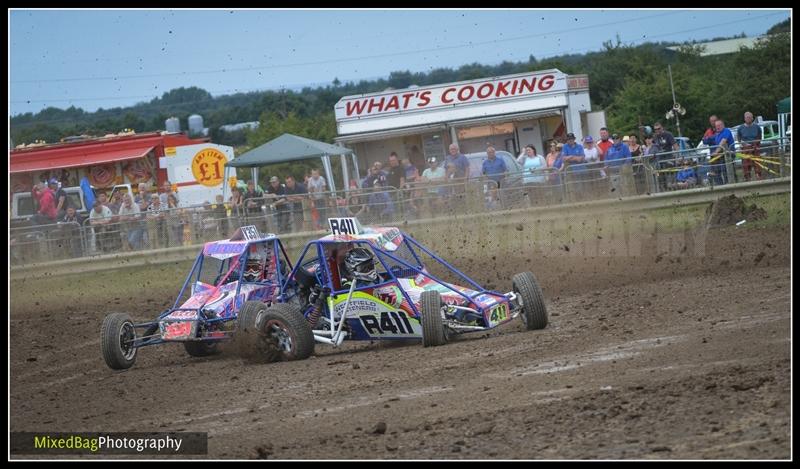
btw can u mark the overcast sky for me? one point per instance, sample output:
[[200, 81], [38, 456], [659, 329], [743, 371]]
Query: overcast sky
[[110, 58]]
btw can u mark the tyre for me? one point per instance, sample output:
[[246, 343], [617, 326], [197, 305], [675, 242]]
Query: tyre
[[248, 313], [201, 348], [276, 333], [433, 332], [534, 312], [116, 340]]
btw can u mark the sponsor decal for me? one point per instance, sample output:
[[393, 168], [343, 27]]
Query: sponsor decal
[[379, 319]]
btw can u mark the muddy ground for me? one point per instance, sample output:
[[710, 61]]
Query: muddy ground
[[677, 354]]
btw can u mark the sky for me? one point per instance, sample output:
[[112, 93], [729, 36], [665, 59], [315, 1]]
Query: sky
[[109, 58]]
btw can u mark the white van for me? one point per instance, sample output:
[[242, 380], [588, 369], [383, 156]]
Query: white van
[[23, 206]]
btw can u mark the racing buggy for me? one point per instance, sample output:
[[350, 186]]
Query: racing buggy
[[229, 283], [372, 284]]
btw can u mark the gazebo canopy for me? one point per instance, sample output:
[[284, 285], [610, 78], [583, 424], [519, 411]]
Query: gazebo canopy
[[285, 148]]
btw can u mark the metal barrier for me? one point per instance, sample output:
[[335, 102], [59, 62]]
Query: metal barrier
[[685, 169], [187, 226]]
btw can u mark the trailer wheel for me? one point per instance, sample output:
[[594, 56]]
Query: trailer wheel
[[433, 332], [534, 312], [117, 335]]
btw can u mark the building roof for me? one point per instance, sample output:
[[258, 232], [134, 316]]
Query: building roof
[[726, 46]]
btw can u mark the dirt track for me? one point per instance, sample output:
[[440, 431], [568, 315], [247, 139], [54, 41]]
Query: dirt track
[[644, 357]]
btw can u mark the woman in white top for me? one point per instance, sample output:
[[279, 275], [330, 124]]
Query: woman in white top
[[532, 166], [592, 154]]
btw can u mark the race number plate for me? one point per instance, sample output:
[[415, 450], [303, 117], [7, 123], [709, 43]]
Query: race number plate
[[344, 226]]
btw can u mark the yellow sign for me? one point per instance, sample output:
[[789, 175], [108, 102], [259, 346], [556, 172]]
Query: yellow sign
[[170, 151], [208, 166]]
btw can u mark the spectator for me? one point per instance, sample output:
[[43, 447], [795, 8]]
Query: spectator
[[176, 219], [253, 207], [666, 146], [103, 198], [355, 205], [686, 177], [493, 167], [411, 177], [618, 158], [434, 177], [280, 203], [460, 163], [723, 145], [555, 162], [633, 145], [649, 146], [573, 158], [572, 152], [116, 202], [142, 190], [533, 166], [395, 176], [236, 201], [166, 192], [156, 223], [296, 193], [750, 139], [60, 197], [711, 131], [533, 169], [71, 223], [604, 144], [101, 218], [317, 189], [217, 223], [130, 219], [47, 212], [366, 183], [591, 155]]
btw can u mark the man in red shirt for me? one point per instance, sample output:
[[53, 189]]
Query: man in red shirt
[[604, 144], [47, 205]]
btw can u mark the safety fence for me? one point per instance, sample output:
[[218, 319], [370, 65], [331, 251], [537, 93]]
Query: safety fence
[[187, 226]]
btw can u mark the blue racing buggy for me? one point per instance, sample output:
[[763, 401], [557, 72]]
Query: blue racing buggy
[[229, 282], [372, 284]]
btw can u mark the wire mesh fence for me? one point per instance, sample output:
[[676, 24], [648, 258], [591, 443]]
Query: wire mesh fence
[[154, 228]]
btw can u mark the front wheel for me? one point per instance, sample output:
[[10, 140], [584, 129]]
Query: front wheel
[[530, 297], [117, 336], [275, 333], [433, 332]]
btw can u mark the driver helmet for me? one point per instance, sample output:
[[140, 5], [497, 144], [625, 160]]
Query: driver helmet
[[360, 265], [252, 269]]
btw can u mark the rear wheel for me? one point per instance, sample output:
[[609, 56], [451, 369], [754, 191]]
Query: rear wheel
[[116, 339], [534, 312], [433, 332]]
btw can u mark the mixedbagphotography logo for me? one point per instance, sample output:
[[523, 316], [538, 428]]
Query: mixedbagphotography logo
[[162, 443]]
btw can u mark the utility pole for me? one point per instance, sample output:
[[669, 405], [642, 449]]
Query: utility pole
[[675, 106]]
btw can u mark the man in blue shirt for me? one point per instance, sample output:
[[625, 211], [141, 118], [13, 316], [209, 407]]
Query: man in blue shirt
[[572, 152], [459, 160], [618, 154], [724, 144], [573, 158], [618, 157], [494, 167]]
